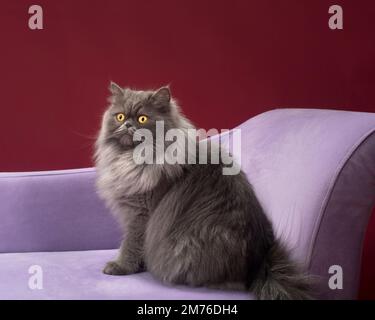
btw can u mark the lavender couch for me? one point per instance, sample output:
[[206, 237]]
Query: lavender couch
[[313, 171]]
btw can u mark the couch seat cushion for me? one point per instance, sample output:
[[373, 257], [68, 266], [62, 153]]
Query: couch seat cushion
[[78, 275]]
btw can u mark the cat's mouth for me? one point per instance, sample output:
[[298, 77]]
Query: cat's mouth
[[126, 140]]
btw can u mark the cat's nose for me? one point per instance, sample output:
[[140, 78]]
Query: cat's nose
[[127, 124]]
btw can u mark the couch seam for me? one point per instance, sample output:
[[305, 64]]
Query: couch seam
[[46, 173]]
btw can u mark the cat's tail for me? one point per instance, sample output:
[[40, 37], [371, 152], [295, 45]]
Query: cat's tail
[[279, 278]]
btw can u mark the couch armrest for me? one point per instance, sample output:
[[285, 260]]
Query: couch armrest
[[314, 173], [53, 211]]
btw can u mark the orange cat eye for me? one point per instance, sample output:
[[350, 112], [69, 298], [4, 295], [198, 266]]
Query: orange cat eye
[[142, 119], [120, 117]]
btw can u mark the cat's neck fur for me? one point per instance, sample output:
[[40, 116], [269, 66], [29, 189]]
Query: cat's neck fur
[[119, 175]]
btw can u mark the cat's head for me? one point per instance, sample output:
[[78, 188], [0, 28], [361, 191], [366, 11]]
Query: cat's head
[[130, 110]]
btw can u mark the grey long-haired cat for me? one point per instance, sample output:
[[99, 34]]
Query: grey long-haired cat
[[185, 223]]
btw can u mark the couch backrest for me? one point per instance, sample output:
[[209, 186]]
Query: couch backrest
[[314, 173]]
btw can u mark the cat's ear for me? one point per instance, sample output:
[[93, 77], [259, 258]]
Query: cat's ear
[[115, 89], [162, 96], [161, 99]]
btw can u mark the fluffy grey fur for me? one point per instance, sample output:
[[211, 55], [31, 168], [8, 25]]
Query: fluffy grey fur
[[186, 224]]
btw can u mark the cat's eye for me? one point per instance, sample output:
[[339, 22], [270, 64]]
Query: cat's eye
[[142, 119], [120, 117]]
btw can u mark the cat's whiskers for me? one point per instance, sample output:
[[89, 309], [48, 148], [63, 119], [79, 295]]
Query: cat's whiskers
[[121, 128]]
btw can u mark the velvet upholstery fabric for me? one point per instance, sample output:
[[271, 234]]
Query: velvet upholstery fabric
[[312, 170]]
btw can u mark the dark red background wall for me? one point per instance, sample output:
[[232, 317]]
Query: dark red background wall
[[226, 61]]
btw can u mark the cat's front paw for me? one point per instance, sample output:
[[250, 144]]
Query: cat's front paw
[[114, 268]]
